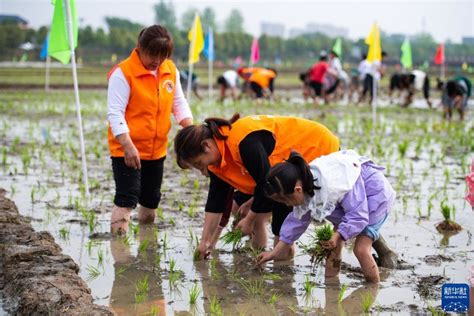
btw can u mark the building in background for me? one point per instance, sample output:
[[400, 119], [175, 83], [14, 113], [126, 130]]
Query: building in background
[[468, 40], [272, 29], [327, 29]]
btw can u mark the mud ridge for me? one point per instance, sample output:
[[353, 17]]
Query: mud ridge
[[35, 277]]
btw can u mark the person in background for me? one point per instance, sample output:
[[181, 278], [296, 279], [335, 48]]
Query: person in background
[[317, 75], [307, 91], [373, 72], [416, 80], [229, 80], [142, 93], [347, 189], [261, 81], [184, 74], [455, 95]]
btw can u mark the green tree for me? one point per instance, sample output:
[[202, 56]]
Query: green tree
[[234, 23], [187, 18], [166, 16], [209, 19]]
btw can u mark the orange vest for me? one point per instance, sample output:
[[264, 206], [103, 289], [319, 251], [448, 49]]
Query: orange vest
[[149, 108], [262, 76], [309, 138]]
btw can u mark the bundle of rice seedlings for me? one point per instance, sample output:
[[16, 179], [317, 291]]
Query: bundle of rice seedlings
[[314, 247], [233, 237]]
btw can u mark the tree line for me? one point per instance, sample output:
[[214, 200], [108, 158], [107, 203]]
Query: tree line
[[231, 39]]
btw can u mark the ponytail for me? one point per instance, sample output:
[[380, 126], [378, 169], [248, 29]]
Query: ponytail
[[188, 141], [282, 178]]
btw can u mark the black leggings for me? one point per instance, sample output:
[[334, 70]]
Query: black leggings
[[137, 186]]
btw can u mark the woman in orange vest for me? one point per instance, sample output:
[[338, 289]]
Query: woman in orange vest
[[143, 91], [260, 80], [237, 154]]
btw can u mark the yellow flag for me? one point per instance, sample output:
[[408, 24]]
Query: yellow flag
[[373, 40], [196, 40]]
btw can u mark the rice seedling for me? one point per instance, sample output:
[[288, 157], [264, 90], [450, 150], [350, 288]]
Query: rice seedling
[[366, 302], [255, 288], [4, 156], [172, 221], [314, 249], [191, 211], [194, 294], [341, 293], [233, 237], [143, 247], [126, 239], [308, 285], [64, 233], [134, 228], [120, 271], [100, 257], [141, 289], [92, 273], [154, 311], [156, 261], [214, 306], [32, 194], [12, 190], [196, 185], [164, 242], [274, 297], [159, 213], [215, 275]]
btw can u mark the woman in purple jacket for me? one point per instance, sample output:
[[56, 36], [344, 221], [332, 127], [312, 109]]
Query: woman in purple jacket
[[347, 189]]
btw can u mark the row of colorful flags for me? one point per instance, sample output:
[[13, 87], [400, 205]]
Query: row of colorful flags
[[56, 43]]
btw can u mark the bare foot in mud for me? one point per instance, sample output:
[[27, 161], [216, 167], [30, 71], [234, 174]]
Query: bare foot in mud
[[119, 220]]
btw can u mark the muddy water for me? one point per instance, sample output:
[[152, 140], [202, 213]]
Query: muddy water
[[114, 267]]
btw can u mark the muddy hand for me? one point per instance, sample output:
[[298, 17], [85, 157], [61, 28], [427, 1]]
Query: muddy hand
[[264, 257], [246, 226]]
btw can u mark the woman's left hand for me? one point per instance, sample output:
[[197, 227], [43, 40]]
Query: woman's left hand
[[246, 226]]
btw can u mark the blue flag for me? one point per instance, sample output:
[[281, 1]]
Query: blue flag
[[209, 45], [44, 49]]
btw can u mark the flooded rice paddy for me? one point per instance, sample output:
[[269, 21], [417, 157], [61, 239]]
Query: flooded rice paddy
[[151, 270]]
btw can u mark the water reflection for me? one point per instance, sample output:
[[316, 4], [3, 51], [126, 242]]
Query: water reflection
[[137, 284]]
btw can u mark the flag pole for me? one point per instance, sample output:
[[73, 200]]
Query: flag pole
[[76, 95], [190, 61], [210, 63], [374, 88], [46, 75]]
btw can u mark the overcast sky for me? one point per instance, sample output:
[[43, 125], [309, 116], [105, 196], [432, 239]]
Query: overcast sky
[[444, 19]]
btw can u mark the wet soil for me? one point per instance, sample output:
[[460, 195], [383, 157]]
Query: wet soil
[[35, 277]]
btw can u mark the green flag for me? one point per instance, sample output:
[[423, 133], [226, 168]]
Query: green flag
[[337, 48], [406, 59], [58, 38]]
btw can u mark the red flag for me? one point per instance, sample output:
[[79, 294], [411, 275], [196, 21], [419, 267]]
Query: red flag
[[439, 57], [254, 52]]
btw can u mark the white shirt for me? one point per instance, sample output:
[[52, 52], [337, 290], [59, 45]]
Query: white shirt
[[419, 79], [335, 64], [364, 68], [118, 95], [231, 77]]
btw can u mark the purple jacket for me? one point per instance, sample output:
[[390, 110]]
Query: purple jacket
[[367, 203]]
